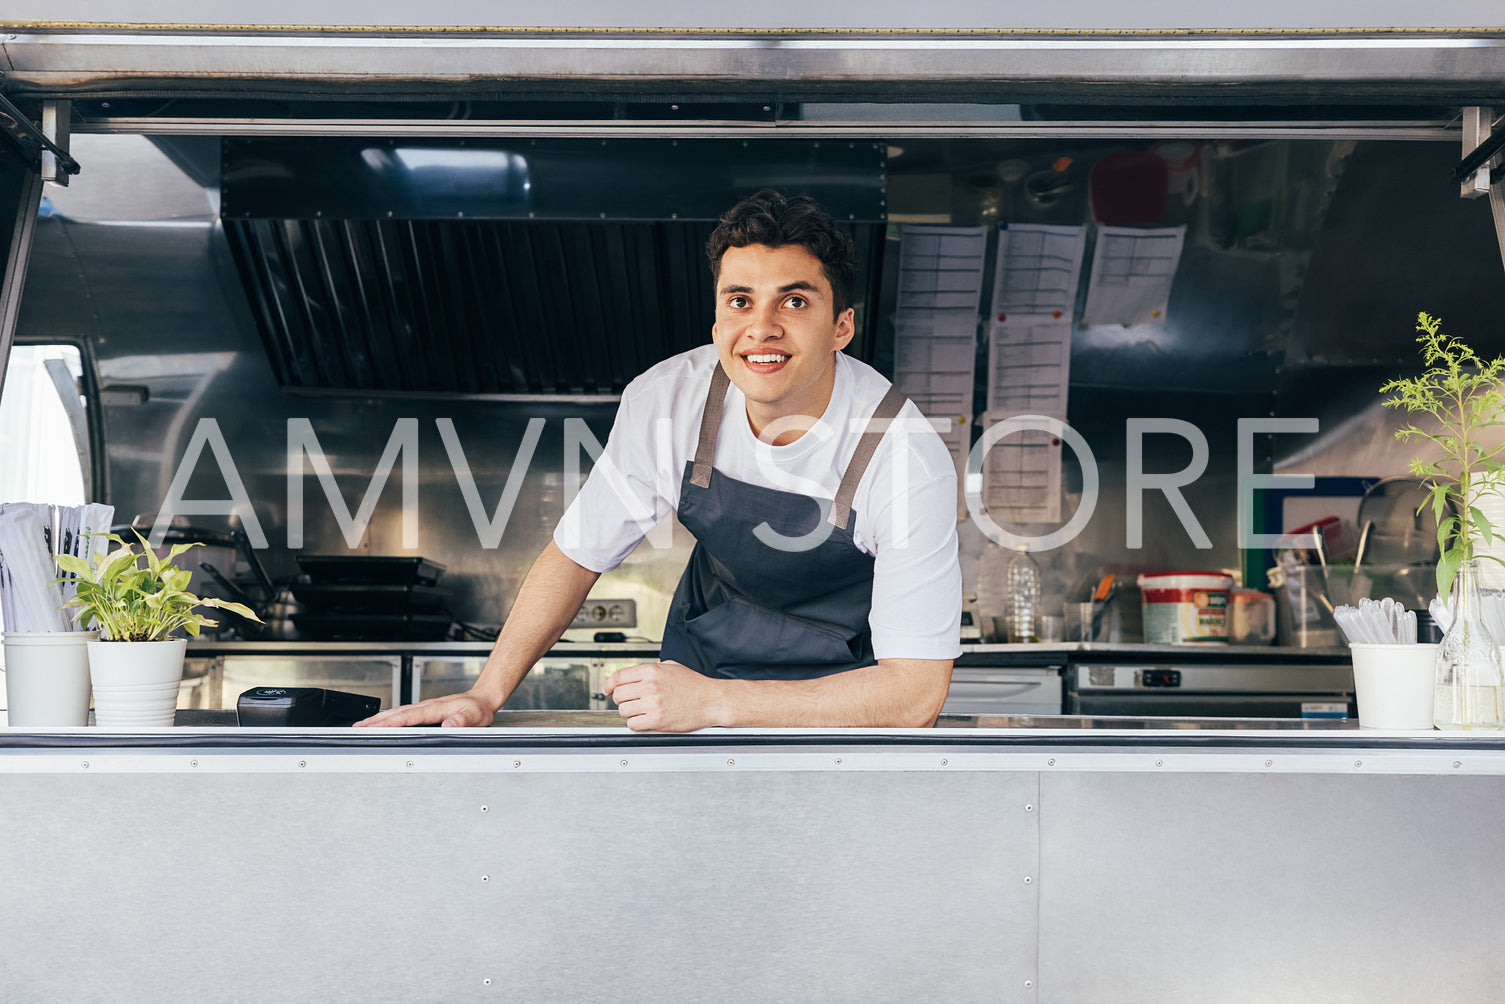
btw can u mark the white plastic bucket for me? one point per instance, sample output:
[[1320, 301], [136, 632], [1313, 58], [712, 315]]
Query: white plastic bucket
[[1395, 685], [1186, 608], [47, 678]]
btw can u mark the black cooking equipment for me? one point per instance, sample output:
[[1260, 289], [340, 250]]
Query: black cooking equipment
[[370, 569], [368, 596], [371, 598]]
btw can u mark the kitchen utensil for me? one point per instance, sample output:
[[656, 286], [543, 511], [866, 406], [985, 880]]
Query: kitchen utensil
[[1404, 527], [1382, 622]]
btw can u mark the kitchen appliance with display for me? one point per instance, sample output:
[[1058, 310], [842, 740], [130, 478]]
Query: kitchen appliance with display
[[1208, 689]]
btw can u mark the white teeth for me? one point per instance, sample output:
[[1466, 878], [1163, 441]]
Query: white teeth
[[769, 357]]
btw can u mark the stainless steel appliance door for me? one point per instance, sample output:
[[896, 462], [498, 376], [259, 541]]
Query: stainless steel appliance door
[[990, 691], [1211, 691]]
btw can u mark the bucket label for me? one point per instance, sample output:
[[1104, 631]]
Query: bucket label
[[1185, 615]]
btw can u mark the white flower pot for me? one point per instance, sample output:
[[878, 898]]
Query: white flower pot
[[1395, 685], [47, 678], [136, 682]]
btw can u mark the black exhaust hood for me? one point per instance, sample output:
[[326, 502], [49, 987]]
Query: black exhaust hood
[[506, 266]]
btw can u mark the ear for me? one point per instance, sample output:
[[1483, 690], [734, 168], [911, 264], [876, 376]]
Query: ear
[[845, 328]]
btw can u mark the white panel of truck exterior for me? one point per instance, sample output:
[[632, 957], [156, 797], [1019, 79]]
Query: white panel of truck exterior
[[771, 14]]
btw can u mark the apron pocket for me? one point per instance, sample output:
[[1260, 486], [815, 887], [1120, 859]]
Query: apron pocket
[[744, 640]]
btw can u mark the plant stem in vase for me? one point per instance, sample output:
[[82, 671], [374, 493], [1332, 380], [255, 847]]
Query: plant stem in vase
[[1469, 674]]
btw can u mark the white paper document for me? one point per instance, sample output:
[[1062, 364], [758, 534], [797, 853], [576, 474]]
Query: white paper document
[[1038, 269], [940, 269], [1021, 477], [1132, 271], [1029, 366]]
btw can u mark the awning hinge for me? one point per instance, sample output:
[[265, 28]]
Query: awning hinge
[[40, 147], [1481, 143]]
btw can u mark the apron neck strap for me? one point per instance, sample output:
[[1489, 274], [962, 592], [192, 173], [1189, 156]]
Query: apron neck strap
[[886, 412], [710, 424]]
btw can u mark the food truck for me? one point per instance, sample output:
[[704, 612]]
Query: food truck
[[351, 300]]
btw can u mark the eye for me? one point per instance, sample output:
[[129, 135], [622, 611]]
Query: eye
[[738, 302], [796, 302]]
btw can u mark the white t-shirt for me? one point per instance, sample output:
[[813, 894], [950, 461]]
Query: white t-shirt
[[905, 507]]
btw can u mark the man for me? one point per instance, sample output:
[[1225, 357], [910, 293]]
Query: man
[[823, 589]]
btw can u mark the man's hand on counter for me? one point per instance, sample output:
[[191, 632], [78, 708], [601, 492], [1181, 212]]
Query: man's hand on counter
[[454, 710], [666, 697]]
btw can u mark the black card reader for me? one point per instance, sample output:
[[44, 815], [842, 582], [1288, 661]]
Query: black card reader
[[303, 706]]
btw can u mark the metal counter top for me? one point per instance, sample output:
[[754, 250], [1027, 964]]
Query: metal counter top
[[560, 730], [971, 653]]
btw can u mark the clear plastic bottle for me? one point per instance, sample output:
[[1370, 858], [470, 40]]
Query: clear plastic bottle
[[1022, 585], [992, 591]]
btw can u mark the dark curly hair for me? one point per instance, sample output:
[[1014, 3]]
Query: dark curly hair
[[775, 220]]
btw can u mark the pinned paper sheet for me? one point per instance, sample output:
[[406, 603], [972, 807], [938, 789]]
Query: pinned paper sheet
[[1029, 365], [1021, 476], [935, 326], [1038, 269], [940, 269], [1132, 270]]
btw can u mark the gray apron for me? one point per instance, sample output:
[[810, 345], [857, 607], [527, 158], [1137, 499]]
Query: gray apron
[[747, 610]]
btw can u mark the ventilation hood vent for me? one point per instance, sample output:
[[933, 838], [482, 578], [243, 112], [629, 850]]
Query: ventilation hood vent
[[527, 268]]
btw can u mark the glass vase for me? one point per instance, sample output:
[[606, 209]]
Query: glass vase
[[1468, 662]]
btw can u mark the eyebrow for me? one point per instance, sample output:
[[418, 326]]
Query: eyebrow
[[798, 285]]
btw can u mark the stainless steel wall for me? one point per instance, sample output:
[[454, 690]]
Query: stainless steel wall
[[1300, 313]]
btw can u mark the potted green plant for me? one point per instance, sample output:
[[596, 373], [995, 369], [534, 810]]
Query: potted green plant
[[137, 663], [1464, 395]]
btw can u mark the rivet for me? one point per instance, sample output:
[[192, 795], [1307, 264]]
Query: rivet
[[485, 878], [1269, 763], [1159, 763], [838, 761], [410, 763], [1029, 808], [624, 763], [486, 982], [193, 763], [86, 763], [302, 763], [485, 808], [767, 108], [731, 763], [1028, 879], [1028, 984], [1051, 762], [945, 762], [1456, 763], [517, 763], [1358, 763]]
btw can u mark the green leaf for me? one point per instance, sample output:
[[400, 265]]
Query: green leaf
[[234, 608], [1445, 531], [1447, 568], [1482, 522], [76, 565]]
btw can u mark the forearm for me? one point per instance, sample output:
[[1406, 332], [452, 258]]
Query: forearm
[[551, 594], [895, 693]]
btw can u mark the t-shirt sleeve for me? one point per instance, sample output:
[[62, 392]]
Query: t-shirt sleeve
[[917, 581], [620, 501]]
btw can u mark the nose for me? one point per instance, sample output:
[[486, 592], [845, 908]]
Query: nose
[[764, 323]]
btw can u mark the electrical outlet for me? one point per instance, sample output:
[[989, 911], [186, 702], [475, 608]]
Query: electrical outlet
[[607, 614]]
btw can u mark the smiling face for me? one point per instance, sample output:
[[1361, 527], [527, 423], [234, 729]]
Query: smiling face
[[776, 334]]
